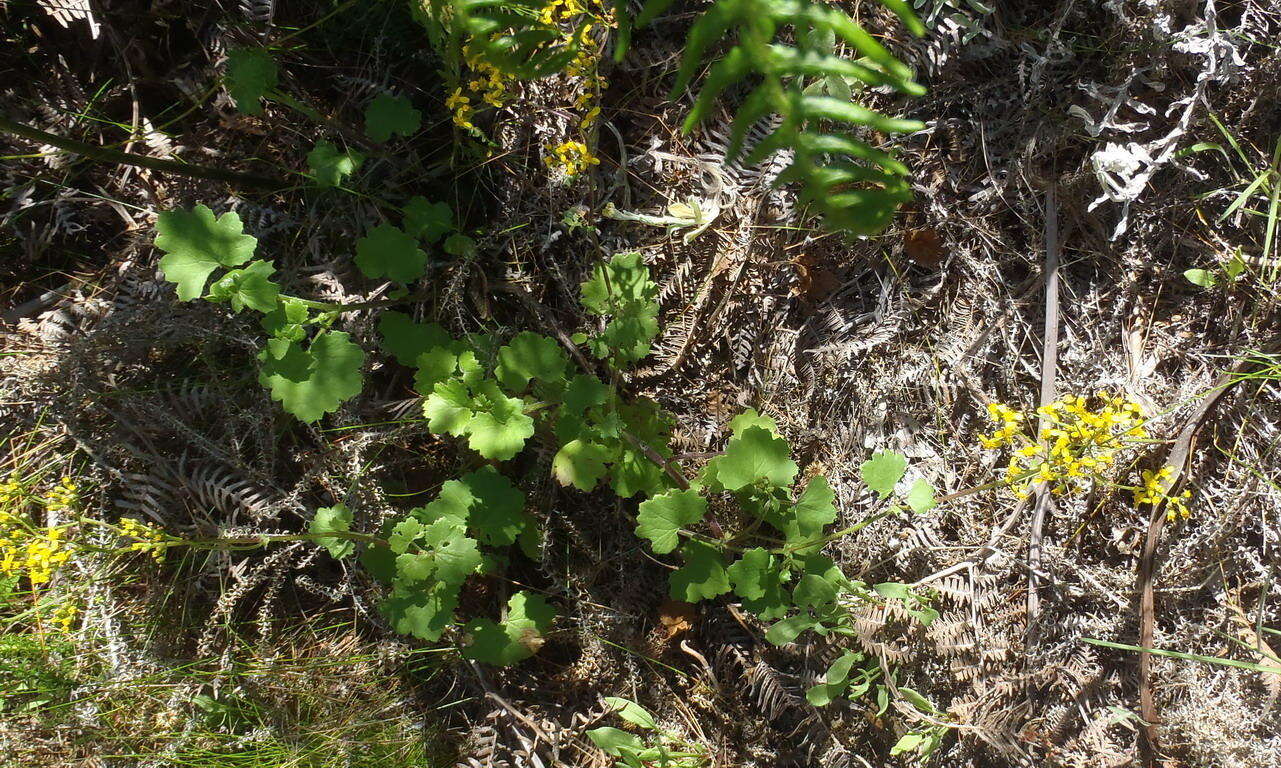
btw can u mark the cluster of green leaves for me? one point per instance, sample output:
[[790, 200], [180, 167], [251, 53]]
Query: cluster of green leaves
[[1227, 272], [789, 50], [769, 555], [855, 675], [308, 367], [621, 291], [496, 397], [428, 555], [656, 747]]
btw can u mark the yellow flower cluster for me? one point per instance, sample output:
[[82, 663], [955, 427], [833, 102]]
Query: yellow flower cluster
[[557, 11], [12, 492], [460, 105], [488, 86], [1011, 422], [491, 85], [37, 552], [65, 616], [64, 496], [1076, 444], [147, 538], [1156, 489], [570, 157]]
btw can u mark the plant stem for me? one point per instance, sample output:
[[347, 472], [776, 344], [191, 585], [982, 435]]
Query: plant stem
[[107, 155], [329, 308]]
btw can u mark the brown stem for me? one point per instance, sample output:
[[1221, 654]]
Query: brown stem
[[107, 155]]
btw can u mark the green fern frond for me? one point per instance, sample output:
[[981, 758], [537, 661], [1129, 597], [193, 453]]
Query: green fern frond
[[855, 186]]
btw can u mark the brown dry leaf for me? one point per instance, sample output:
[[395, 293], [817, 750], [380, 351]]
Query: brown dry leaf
[[815, 282], [924, 247], [676, 617], [531, 640]]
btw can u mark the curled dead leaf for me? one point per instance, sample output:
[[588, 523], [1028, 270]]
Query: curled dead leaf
[[676, 617]]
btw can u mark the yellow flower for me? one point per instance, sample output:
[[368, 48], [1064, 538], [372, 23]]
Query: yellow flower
[[1155, 489], [11, 492], [456, 100], [65, 616], [63, 496], [45, 553], [149, 539], [571, 157], [1077, 441]]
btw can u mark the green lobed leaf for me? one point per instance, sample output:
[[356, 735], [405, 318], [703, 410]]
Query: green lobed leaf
[[426, 220], [530, 356], [921, 496], [661, 518], [330, 166], [421, 612], [415, 567], [499, 426], [580, 464], [883, 471], [449, 408], [585, 391], [633, 471], [459, 245], [752, 574], [287, 320], [251, 74], [434, 366], [250, 287], [518, 637], [497, 512], [335, 519], [750, 418], [313, 381], [404, 534], [388, 252], [454, 502], [755, 455], [758, 579], [702, 577], [455, 554], [389, 115], [406, 340], [614, 284], [196, 243], [628, 338], [814, 592], [806, 519]]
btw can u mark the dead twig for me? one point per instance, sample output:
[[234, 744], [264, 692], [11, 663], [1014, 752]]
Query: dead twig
[[1049, 370], [108, 155]]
